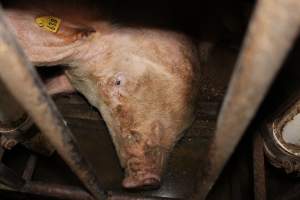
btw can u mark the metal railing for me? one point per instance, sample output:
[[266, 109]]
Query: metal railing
[[272, 31], [23, 82]]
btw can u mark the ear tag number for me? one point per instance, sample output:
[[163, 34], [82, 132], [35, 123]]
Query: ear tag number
[[48, 23]]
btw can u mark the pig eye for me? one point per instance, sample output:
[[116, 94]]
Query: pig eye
[[119, 79], [118, 82]]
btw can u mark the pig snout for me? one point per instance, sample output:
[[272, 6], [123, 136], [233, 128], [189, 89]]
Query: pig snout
[[144, 172]]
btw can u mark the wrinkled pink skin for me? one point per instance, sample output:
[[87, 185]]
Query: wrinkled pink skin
[[143, 81]]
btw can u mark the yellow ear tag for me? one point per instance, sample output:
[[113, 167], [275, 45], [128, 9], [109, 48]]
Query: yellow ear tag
[[48, 23]]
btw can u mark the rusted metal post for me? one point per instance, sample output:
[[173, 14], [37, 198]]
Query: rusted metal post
[[24, 83], [273, 28], [76, 193], [29, 169], [259, 171]]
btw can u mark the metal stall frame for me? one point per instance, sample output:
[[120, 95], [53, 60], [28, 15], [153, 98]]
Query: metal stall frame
[[23, 82], [272, 30]]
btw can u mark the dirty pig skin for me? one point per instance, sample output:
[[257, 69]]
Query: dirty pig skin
[[144, 81]]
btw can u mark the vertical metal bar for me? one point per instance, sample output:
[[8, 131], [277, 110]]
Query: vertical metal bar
[[23, 82], [271, 33], [259, 173], [29, 169], [2, 151]]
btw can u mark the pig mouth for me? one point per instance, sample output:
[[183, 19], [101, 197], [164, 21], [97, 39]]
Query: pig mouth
[[146, 181], [145, 172]]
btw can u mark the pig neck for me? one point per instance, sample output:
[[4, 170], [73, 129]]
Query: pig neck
[[86, 61], [89, 46]]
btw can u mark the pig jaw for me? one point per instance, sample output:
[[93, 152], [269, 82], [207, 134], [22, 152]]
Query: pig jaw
[[142, 157], [144, 171]]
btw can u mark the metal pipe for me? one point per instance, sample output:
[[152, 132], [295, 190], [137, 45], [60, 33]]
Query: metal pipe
[[56, 191], [272, 31], [29, 169], [2, 151], [126, 196], [23, 82], [259, 172], [76, 193]]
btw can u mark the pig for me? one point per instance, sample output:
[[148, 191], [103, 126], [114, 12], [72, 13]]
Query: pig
[[143, 80]]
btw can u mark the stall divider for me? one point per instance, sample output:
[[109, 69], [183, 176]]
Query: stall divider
[[22, 80], [271, 33]]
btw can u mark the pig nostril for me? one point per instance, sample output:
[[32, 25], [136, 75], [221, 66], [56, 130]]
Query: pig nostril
[[146, 183]]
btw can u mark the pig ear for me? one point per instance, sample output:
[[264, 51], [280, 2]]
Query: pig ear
[[45, 47]]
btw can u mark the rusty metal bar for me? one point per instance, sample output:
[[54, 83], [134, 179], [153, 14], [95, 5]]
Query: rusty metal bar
[[56, 191], [76, 193], [259, 172], [29, 169], [24, 83], [273, 28], [2, 151], [126, 196]]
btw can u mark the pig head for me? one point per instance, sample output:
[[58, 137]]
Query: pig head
[[142, 80]]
